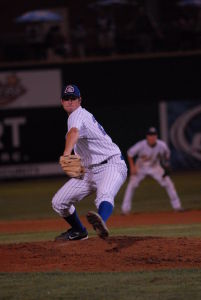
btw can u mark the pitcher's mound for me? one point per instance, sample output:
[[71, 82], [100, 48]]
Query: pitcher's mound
[[121, 253]]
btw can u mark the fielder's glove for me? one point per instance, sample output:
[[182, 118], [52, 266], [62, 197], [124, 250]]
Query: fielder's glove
[[166, 167], [167, 171], [72, 165]]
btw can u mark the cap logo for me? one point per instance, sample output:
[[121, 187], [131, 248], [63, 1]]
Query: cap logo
[[69, 89]]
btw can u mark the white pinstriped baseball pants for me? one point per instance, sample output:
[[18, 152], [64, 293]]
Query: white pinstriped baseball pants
[[105, 179]]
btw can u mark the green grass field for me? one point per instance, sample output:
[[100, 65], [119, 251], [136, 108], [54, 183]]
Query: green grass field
[[157, 285], [31, 199]]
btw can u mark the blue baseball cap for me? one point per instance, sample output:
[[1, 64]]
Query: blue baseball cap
[[70, 90], [152, 131]]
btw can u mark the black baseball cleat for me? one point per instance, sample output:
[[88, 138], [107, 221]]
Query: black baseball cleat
[[72, 235], [98, 224]]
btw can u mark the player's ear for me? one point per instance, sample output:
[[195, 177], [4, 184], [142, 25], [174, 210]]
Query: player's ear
[[80, 99]]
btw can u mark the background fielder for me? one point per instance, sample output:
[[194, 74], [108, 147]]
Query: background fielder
[[151, 153], [105, 169]]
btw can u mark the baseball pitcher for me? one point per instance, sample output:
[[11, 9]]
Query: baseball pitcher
[[152, 159], [92, 162]]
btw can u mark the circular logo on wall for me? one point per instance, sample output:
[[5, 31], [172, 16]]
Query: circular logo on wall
[[11, 89], [185, 133]]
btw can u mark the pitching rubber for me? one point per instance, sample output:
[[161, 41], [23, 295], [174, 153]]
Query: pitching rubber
[[98, 224]]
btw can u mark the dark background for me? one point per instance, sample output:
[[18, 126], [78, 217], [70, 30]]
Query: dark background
[[122, 94], [123, 91]]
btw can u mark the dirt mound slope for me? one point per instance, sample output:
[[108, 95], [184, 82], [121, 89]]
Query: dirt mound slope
[[121, 253]]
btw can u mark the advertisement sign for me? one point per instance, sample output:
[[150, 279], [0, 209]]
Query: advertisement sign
[[29, 114], [181, 129]]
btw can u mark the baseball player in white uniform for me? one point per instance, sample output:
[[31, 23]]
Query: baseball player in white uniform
[[105, 169], [149, 154]]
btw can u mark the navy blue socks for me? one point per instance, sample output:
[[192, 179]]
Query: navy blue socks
[[105, 210], [75, 222]]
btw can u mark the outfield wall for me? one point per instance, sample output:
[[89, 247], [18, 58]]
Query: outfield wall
[[124, 95]]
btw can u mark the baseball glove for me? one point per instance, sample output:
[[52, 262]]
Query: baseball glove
[[165, 164], [72, 165]]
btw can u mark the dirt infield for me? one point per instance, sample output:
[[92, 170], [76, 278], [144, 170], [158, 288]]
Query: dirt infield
[[118, 221], [120, 253]]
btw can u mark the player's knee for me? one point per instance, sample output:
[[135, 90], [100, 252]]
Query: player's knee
[[133, 184], [62, 208], [167, 183], [163, 184], [55, 203], [132, 187]]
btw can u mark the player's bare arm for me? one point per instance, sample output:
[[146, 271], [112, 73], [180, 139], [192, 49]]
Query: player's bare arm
[[132, 166], [71, 139]]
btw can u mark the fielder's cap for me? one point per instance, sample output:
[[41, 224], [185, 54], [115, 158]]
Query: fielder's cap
[[70, 90], [152, 131]]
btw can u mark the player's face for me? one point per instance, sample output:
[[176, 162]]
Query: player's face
[[71, 104], [151, 139]]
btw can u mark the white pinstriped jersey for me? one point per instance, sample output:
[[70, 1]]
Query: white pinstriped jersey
[[93, 145], [148, 156]]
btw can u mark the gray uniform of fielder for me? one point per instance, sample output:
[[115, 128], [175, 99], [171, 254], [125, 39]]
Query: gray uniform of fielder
[[148, 163]]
